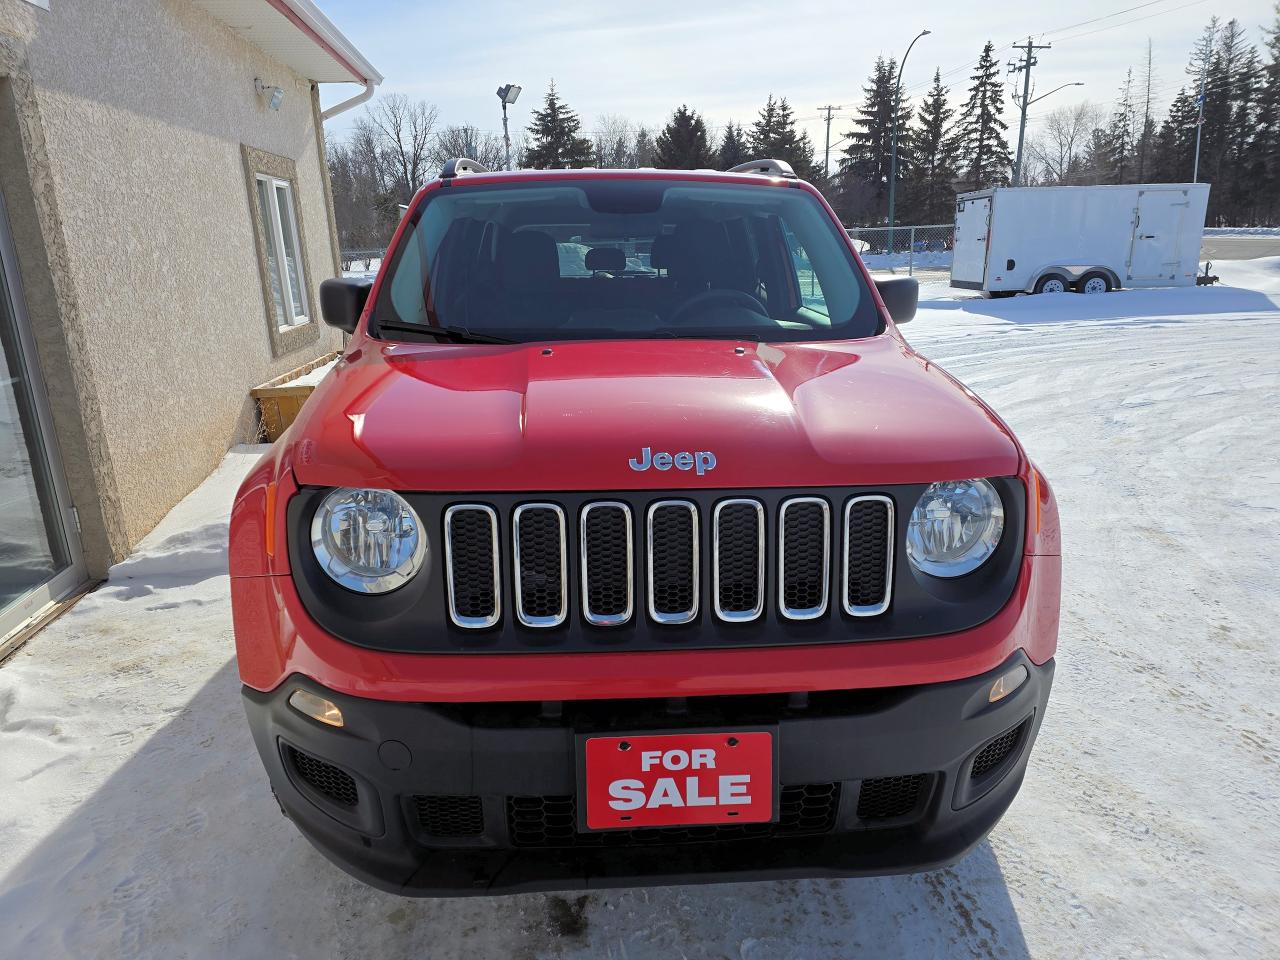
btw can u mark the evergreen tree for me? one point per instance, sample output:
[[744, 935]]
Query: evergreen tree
[[774, 137], [682, 144], [1175, 143], [642, 148], [1122, 134], [556, 138], [864, 167], [930, 195], [1264, 169], [733, 147], [984, 151]]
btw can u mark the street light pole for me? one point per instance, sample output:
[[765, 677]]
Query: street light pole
[[893, 149], [507, 93]]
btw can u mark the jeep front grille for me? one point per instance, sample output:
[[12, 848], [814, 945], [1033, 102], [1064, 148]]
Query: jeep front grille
[[608, 563], [868, 555], [541, 567], [804, 558], [737, 562], [473, 572], [672, 561], [754, 554]]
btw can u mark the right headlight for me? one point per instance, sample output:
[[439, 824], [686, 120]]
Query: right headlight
[[369, 541], [955, 527]]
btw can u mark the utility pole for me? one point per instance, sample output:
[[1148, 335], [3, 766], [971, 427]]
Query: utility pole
[[829, 110], [1024, 66]]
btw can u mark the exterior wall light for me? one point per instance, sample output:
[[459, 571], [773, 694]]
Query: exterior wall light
[[274, 95]]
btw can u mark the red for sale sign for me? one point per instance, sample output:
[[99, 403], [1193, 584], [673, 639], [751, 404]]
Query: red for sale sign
[[686, 779]]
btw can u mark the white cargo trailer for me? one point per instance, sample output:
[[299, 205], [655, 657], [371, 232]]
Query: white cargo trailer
[[1087, 239]]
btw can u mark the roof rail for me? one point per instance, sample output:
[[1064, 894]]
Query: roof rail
[[461, 166], [768, 168]]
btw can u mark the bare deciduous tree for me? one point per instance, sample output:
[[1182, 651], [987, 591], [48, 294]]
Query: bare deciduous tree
[[403, 129], [613, 140], [1060, 146], [464, 140]]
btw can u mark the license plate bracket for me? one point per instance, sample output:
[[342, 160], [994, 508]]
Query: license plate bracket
[[677, 778]]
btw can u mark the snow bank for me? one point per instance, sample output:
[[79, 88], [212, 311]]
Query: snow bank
[[1242, 231], [1262, 275]]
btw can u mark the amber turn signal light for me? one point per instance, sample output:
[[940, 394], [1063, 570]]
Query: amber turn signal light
[[1008, 683], [317, 708]]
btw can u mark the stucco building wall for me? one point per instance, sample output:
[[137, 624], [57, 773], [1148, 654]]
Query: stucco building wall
[[150, 318]]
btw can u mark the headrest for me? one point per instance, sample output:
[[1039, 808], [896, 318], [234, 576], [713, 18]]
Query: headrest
[[701, 253], [528, 260], [606, 258], [660, 252]]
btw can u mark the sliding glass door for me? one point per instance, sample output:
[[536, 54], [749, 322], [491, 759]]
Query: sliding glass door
[[39, 550]]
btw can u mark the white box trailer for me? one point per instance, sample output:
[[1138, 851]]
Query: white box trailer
[[1087, 239]]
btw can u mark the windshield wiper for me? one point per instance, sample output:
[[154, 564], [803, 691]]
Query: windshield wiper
[[453, 334]]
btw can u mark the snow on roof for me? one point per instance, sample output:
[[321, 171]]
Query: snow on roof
[[297, 34]]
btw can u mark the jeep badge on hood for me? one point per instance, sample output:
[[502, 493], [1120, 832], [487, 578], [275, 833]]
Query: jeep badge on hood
[[702, 461]]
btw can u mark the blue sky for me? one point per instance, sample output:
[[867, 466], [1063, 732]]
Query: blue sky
[[641, 60]]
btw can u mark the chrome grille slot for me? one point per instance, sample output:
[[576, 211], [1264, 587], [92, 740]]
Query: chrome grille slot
[[804, 557], [737, 561], [472, 566], [541, 574], [608, 575], [673, 561], [868, 555]]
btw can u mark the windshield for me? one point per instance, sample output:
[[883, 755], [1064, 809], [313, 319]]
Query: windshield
[[591, 259]]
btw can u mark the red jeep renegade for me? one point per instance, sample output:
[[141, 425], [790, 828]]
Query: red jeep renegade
[[630, 543]]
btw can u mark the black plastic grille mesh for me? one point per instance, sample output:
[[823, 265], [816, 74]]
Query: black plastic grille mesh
[[538, 533], [673, 590], [471, 564], [449, 816], [738, 547], [884, 798], [804, 810], [868, 541], [804, 572], [605, 543], [324, 778], [993, 754]]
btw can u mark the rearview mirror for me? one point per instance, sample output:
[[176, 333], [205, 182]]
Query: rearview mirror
[[342, 300], [900, 296]]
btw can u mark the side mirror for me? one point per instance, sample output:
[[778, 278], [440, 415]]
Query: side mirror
[[342, 300], [900, 296]]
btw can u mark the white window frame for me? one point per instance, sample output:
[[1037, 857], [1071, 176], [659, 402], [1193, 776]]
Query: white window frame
[[293, 317]]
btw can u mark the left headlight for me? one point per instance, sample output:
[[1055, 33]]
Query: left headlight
[[369, 541], [954, 527]]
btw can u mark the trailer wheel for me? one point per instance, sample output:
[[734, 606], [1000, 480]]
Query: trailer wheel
[[1052, 283], [1094, 283]]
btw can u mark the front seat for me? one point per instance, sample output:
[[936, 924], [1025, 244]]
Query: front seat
[[529, 277]]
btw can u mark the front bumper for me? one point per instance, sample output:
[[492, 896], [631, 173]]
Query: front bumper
[[455, 799]]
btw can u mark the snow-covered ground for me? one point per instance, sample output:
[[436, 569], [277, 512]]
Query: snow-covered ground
[[135, 819]]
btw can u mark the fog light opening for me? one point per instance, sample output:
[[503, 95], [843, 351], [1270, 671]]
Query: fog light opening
[[1008, 683], [317, 708]]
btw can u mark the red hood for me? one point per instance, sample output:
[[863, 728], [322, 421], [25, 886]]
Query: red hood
[[439, 417]]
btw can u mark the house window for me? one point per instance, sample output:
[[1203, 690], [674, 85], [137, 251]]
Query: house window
[[284, 261], [277, 215]]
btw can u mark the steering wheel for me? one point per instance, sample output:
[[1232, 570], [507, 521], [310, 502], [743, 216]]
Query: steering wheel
[[726, 298]]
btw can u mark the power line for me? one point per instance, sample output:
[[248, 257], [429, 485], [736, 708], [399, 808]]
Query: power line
[[1108, 16], [1125, 23]]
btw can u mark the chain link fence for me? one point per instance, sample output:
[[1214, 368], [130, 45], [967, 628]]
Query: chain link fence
[[919, 250]]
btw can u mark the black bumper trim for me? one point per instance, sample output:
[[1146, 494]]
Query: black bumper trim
[[476, 750]]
